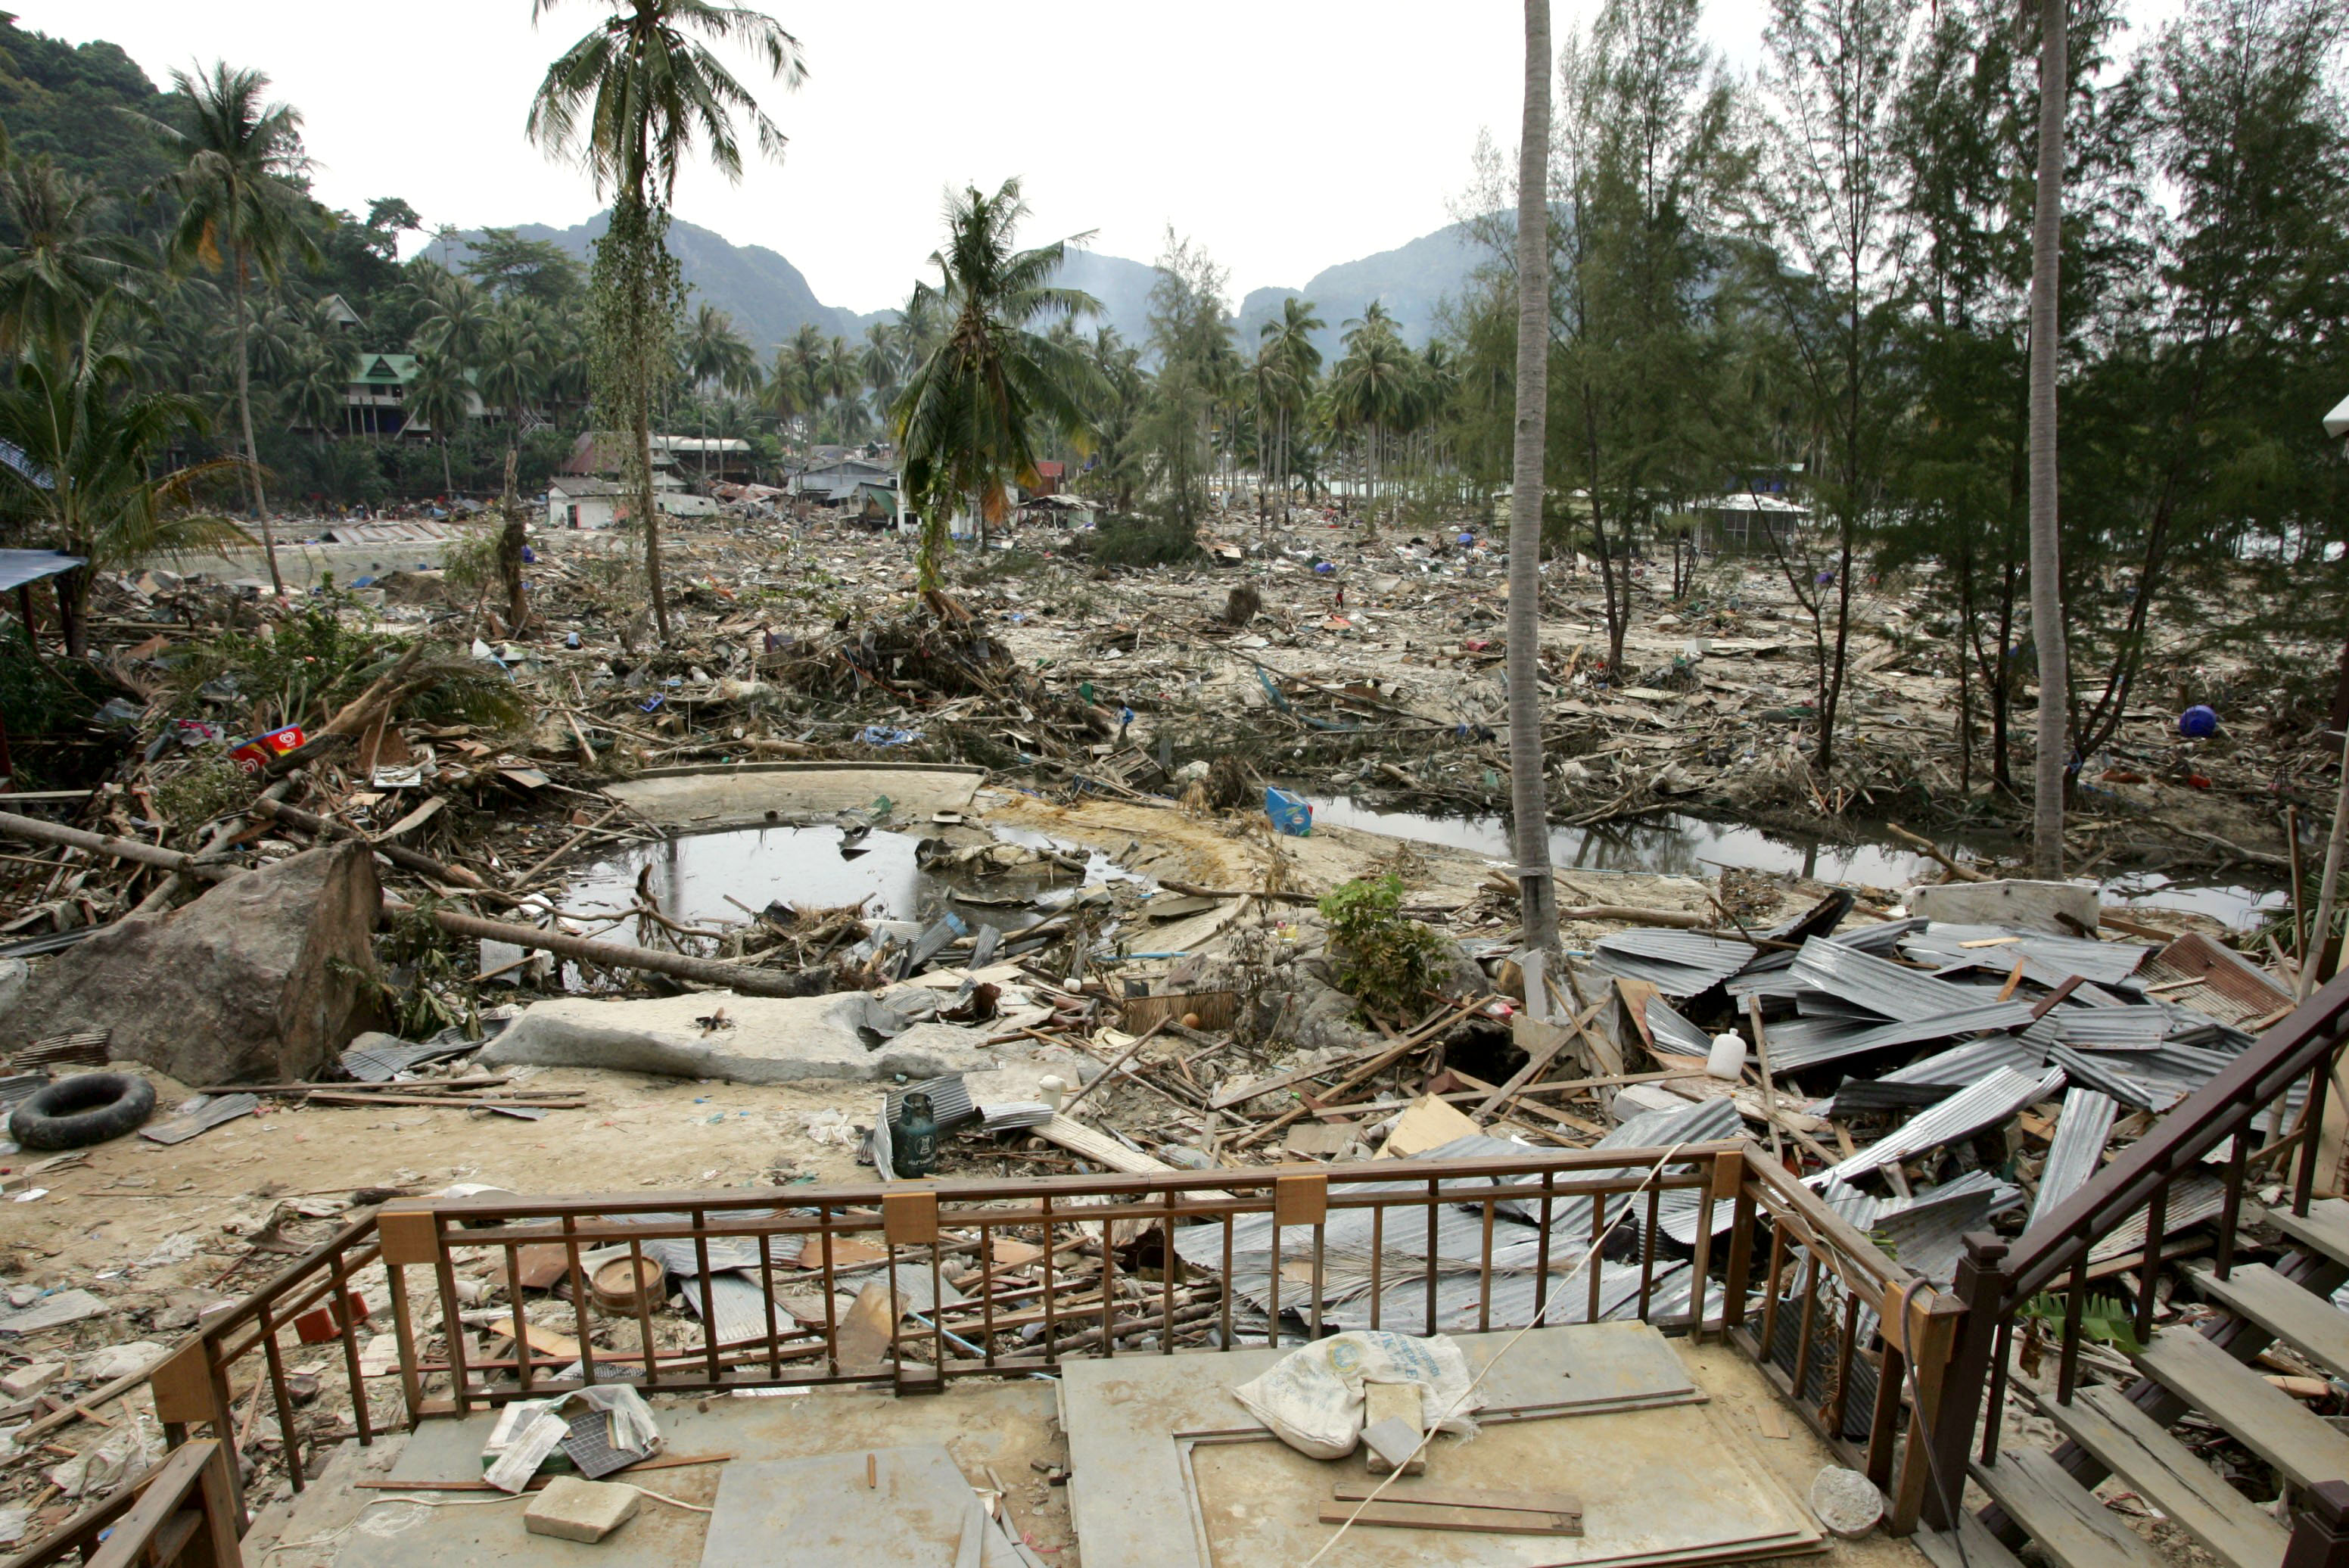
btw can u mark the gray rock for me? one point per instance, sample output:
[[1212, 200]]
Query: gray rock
[[774, 1039], [264, 976], [1847, 1502], [15, 975]]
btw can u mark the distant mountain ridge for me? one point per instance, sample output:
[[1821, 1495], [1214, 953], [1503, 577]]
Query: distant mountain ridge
[[770, 298]]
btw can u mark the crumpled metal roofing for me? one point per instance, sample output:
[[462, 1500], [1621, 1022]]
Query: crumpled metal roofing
[[1879, 985], [1677, 963], [1675, 1033], [2104, 963], [1926, 1232], [1993, 1099], [2078, 1146], [1789, 1056]]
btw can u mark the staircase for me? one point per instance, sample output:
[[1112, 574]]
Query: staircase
[[2048, 1497]]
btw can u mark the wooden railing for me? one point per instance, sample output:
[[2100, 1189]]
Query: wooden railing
[[181, 1511], [2244, 1108], [1106, 1265]]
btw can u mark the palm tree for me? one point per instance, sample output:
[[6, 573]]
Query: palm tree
[[239, 212], [1289, 343], [2048, 768], [1368, 387], [629, 100], [453, 315], [976, 409], [92, 437], [441, 397], [1529, 807], [60, 266], [714, 354], [882, 363], [844, 381]]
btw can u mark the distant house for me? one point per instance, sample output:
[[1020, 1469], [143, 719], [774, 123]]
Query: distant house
[[1751, 519], [831, 483], [1049, 478], [592, 501], [374, 400]]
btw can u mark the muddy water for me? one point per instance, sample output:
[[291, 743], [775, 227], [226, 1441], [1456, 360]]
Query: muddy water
[[1677, 845]]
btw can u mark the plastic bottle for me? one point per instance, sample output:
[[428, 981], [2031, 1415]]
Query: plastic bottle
[[1727, 1058]]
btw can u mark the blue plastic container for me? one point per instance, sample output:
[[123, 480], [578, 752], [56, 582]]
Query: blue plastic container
[[1289, 813], [2199, 722]]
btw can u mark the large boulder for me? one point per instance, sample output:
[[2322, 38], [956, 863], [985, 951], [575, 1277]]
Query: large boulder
[[265, 976]]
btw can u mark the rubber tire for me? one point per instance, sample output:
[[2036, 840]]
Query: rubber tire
[[86, 1109]]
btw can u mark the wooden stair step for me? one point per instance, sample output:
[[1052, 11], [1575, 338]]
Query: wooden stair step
[[2165, 1472], [2307, 1322], [2071, 1528], [1982, 1549], [2271, 1423], [2323, 1229]]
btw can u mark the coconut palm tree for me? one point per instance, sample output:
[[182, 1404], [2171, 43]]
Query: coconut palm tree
[[629, 100], [882, 363], [239, 213], [977, 408], [1289, 342], [1368, 387], [441, 398], [1528, 803], [2047, 586], [60, 265], [92, 437], [843, 382], [714, 355]]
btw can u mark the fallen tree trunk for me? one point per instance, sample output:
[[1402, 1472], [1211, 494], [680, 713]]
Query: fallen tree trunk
[[751, 982], [39, 832], [328, 827]]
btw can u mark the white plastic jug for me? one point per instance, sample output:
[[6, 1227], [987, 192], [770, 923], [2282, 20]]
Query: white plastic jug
[[1727, 1058]]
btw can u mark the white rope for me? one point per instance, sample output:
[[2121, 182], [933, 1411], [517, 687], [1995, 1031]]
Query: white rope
[[1551, 1300]]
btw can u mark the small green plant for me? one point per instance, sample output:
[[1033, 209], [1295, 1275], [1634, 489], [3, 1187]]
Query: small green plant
[[211, 787], [2103, 1319], [1386, 960]]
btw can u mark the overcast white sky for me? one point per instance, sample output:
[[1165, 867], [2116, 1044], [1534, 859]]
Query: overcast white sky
[[1284, 135]]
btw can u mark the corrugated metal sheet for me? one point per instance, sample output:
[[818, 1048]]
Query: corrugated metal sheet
[[1879, 985], [1998, 1015], [2105, 963], [2225, 986], [2194, 1198], [950, 1104], [2077, 1149], [1677, 963], [1959, 1066], [1991, 1100], [19, 567], [1675, 1033]]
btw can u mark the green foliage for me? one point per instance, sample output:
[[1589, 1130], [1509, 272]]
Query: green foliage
[[429, 985], [38, 697], [1386, 960], [210, 787], [1156, 538], [311, 663], [974, 413], [2103, 1319]]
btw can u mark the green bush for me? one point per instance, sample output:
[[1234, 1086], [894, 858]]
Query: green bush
[[1386, 960]]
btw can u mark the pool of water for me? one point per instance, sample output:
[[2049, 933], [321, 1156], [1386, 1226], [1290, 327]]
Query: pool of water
[[1674, 844], [710, 878]]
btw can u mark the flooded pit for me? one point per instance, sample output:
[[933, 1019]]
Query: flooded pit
[[1674, 844]]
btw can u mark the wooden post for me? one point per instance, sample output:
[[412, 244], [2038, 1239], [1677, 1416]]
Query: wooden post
[[2320, 1535], [1951, 1377]]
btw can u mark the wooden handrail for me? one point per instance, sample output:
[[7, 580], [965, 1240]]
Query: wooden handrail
[[2190, 1130]]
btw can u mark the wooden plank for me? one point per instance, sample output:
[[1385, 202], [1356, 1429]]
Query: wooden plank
[[2063, 1517], [2165, 1472], [2323, 1229], [1473, 1520], [1968, 1546], [1446, 1494], [2273, 1425], [2310, 1324]]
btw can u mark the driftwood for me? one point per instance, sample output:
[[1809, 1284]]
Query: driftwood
[[39, 832], [328, 827], [1933, 851], [749, 982]]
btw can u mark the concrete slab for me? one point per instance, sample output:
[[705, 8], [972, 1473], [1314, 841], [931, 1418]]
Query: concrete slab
[[747, 792], [1130, 1420], [775, 1039], [908, 1506], [2029, 905], [991, 1429], [1656, 1486]]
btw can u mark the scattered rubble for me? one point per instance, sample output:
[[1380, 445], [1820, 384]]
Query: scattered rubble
[[1002, 898]]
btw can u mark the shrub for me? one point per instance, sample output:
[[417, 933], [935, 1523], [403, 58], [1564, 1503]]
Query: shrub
[[1386, 960]]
